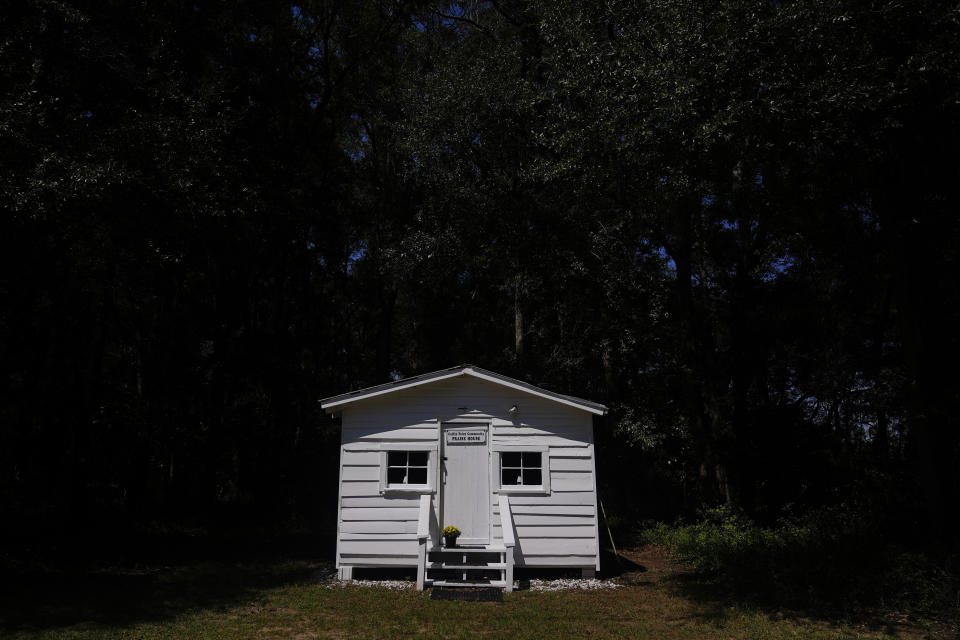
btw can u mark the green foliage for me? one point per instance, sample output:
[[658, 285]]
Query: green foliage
[[830, 558], [729, 221]]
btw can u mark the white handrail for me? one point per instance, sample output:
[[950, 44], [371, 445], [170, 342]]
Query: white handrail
[[506, 522], [423, 537], [509, 540], [423, 522]]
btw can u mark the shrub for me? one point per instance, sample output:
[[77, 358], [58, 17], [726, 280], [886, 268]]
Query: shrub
[[830, 558]]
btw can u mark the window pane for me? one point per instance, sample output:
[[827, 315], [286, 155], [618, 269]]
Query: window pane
[[531, 459], [396, 458], [510, 459], [419, 458], [532, 476], [510, 477], [397, 476], [417, 476]]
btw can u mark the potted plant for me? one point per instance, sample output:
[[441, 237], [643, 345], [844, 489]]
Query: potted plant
[[450, 535]]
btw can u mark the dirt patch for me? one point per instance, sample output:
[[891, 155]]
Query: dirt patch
[[649, 564]]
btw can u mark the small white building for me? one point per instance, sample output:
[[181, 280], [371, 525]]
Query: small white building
[[509, 464]]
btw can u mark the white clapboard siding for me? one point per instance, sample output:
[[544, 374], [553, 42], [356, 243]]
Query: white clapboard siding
[[361, 446], [571, 481], [522, 519], [378, 526], [576, 432], [568, 464], [376, 433], [585, 530], [352, 489], [543, 441], [377, 560], [391, 420], [482, 398], [352, 473], [379, 547], [555, 546], [383, 514], [551, 420], [567, 498], [390, 501], [549, 509], [396, 410], [570, 452], [361, 458], [378, 536]]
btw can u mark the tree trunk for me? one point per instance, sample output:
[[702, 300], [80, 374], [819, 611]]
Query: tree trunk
[[517, 318]]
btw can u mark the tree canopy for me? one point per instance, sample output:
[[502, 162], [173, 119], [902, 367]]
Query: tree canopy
[[733, 222]]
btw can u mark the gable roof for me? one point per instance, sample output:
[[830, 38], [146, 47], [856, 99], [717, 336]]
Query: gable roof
[[462, 370]]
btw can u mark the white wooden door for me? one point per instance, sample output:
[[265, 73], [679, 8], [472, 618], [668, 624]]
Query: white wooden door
[[465, 470]]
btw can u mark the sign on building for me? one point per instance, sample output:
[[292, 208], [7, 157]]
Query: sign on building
[[466, 437]]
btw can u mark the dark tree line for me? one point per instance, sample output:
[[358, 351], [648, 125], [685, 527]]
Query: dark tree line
[[733, 222]]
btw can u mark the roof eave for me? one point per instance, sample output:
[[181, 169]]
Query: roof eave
[[379, 390], [470, 370]]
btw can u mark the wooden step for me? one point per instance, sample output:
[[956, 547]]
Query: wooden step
[[492, 549], [489, 565], [453, 583]]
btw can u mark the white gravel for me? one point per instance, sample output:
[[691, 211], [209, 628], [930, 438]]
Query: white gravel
[[572, 584], [328, 578], [394, 585]]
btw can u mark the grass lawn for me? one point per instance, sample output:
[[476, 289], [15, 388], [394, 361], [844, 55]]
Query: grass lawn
[[659, 599]]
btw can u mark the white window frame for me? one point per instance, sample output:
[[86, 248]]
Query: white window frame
[[541, 489], [428, 447]]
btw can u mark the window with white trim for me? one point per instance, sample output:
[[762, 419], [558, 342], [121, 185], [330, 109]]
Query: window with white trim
[[407, 468], [522, 469]]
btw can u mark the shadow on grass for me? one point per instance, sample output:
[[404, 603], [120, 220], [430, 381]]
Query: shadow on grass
[[169, 578], [614, 565], [717, 603]]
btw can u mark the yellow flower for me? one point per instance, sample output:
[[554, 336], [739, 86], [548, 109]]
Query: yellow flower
[[451, 531]]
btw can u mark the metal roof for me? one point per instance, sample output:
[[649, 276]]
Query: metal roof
[[462, 370]]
